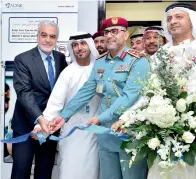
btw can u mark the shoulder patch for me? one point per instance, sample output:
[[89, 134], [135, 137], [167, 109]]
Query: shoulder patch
[[135, 53], [102, 55]]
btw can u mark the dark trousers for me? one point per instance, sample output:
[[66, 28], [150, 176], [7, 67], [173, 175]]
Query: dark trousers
[[23, 154]]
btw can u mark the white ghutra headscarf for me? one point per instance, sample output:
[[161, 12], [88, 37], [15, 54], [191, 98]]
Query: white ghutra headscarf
[[86, 37], [183, 7]]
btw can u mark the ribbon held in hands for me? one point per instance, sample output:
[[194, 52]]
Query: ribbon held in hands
[[90, 128]]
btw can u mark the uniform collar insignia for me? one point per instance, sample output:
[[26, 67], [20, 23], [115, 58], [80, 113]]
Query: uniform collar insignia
[[102, 55], [135, 53]]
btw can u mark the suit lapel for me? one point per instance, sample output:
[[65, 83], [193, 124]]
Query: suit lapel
[[57, 65], [41, 68]]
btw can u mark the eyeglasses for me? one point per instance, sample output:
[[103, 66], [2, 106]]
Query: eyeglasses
[[113, 32]]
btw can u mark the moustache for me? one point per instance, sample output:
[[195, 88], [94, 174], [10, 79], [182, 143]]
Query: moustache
[[153, 44], [99, 47]]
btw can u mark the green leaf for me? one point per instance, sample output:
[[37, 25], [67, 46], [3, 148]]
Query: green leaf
[[183, 95], [193, 146], [141, 154], [178, 128], [143, 127], [194, 108], [194, 152], [189, 158], [163, 133], [124, 144], [135, 144], [169, 132], [150, 94], [152, 154]]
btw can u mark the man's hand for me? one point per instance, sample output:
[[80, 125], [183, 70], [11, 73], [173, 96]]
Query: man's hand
[[95, 121], [56, 124], [36, 130], [116, 126], [44, 123]]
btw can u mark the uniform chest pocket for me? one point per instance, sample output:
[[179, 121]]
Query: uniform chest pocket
[[120, 76]]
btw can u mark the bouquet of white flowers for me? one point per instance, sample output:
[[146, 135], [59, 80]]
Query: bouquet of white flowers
[[164, 122]]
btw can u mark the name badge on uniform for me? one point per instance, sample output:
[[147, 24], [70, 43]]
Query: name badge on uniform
[[99, 88], [100, 71]]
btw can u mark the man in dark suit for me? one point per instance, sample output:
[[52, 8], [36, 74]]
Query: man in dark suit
[[35, 73]]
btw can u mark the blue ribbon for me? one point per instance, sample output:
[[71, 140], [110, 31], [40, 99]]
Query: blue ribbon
[[91, 128], [24, 137]]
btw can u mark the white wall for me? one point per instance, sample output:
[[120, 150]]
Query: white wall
[[87, 16]]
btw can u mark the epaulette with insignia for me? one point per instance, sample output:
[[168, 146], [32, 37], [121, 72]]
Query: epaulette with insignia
[[102, 55], [135, 53]]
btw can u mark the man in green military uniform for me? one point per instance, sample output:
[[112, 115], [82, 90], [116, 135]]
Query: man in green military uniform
[[114, 77]]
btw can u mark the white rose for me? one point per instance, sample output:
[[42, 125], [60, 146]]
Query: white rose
[[181, 105], [154, 143], [188, 137]]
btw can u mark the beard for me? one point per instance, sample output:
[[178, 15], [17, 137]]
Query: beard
[[46, 49], [101, 50]]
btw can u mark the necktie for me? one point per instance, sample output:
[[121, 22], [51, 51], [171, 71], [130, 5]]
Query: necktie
[[50, 71]]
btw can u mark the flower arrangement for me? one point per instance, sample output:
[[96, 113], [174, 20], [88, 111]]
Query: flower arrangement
[[163, 121]]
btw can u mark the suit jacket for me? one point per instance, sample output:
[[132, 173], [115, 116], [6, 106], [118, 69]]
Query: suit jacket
[[32, 87]]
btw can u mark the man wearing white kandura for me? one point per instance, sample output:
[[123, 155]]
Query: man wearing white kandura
[[78, 154], [180, 31]]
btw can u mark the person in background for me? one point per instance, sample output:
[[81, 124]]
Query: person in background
[[153, 38], [100, 42], [136, 42]]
